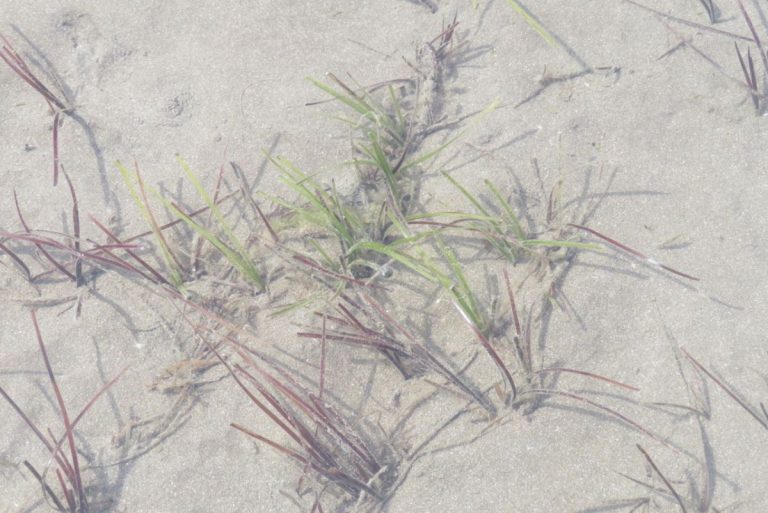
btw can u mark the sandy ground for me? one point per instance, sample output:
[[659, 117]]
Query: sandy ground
[[666, 147]]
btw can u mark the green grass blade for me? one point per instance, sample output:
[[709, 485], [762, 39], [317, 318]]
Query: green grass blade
[[401, 123], [461, 290], [238, 256], [467, 195], [563, 244], [330, 262], [425, 271], [325, 210], [176, 274], [511, 218], [477, 119], [350, 100], [531, 21], [242, 263]]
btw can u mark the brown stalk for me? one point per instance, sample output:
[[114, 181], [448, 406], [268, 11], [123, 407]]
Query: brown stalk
[[590, 375], [320, 414], [394, 349], [47, 491], [252, 202], [755, 37], [68, 470], [763, 421], [75, 478], [749, 76], [40, 247], [157, 276], [91, 254], [17, 260], [17, 64], [648, 260], [666, 481], [75, 229], [606, 409], [322, 453], [491, 351], [523, 351]]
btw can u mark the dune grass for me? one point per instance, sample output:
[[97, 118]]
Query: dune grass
[[63, 449], [367, 247]]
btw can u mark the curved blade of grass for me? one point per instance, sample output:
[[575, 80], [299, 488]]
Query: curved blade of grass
[[663, 478], [159, 278], [531, 21], [17, 260], [351, 99], [478, 118], [239, 256], [75, 478], [562, 244], [243, 264], [213, 208], [327, 210], [511, 218], [425, 271], [461, 291], [633, 252], [472, 199], [169, 258]]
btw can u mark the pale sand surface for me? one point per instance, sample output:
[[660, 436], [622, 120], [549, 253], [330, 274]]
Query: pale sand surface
[[667, 148]]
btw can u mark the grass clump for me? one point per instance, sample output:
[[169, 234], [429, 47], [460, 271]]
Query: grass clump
[[229, 245], [72, 495], [220, 236], [137, 190], [367, 246], [497, 224]]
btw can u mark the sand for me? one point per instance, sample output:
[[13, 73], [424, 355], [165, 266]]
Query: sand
[[651, 144]]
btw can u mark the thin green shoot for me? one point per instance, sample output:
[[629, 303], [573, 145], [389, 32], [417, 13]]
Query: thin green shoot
[[399, 118], [478, 118], [531, 21], [238, 255], [367, 107], [351, 99], [512, 220], [504, 232], [462, 293], [420, 267], [327, 259], [325, 210], [498, 231], [140, 199], [241, 262]]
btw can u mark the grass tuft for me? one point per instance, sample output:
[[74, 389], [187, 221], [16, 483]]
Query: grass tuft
[[136, 188], [328, 444], [72, 497], [55, 104]]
